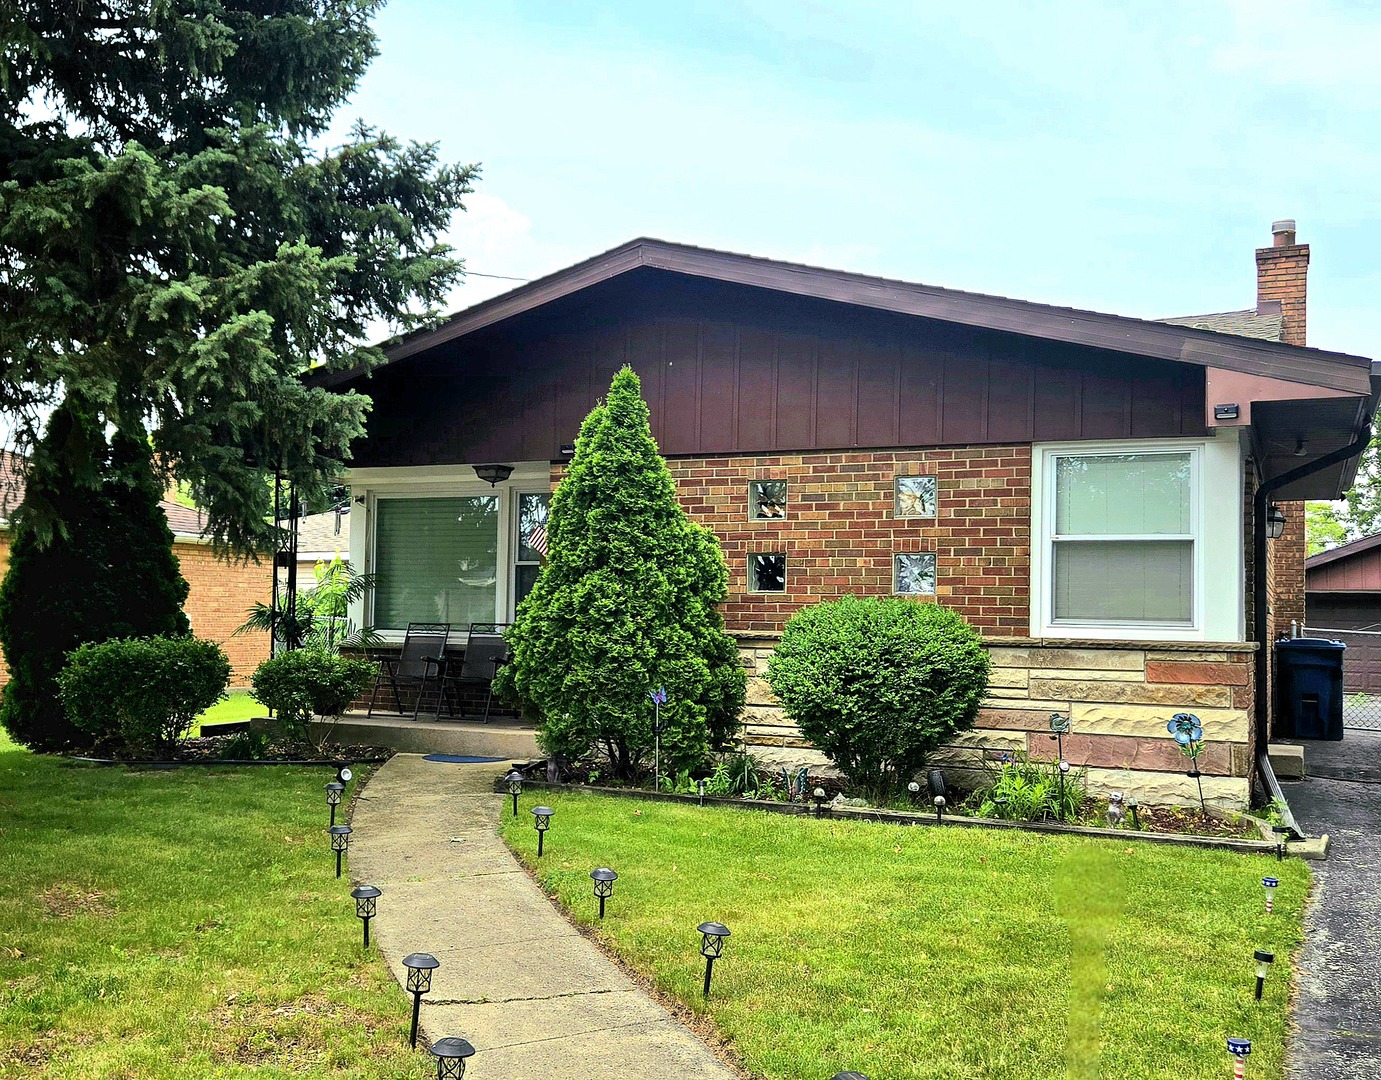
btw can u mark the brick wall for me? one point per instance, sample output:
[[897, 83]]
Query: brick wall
[[221, 595]]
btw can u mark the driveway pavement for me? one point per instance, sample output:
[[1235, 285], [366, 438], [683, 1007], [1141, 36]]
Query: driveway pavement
[[1338, 1012], [534, 997]]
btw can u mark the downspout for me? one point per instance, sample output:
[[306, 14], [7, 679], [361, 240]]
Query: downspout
[[1261, 702]]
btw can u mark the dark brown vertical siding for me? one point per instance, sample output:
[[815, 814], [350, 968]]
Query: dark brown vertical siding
[[718, 387], [757, 389], [878, 396], [835, 401], [965, 415], [796, 391], [920, 398], [681, 411]]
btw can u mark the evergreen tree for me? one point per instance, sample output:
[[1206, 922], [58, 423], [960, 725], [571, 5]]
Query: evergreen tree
[[111, 572], [626, 604]]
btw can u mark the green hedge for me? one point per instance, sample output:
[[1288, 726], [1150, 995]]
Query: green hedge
[[310, 682]]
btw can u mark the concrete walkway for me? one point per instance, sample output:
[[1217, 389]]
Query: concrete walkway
[[534, 997], [1338, 1013]]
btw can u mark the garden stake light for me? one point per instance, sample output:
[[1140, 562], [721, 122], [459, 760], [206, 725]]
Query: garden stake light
[[700, 790], [542, 822], [1264, 960], [939, 809], [711, 946], [1064, 771], [1282, 835], [604, 885], [1059, 728], [1189, 733], [344, 775], [340, 840], [819, 796], [913, 789], [1132, 805], [420, 966], [450, 1054], [1270, 884], [1239, 1049], [515, 787], [850, 1075], [333, 793], [366, 904]]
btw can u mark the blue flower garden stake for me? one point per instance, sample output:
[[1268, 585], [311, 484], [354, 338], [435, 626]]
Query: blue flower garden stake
[[659, 698], [1189, 733]]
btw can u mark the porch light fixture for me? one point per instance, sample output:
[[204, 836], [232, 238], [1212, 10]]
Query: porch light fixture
[[366, 906], [1239, 1049], [939, 809], [340, 840], [493, 474], [420, 966], [450, 1054], [604, 879], [1264, 960], [1270, 884], [334, 790], [818, 796], [700, 790], [568, 449], [514, 779], [1275, 521], [712, 935], [541, 822]]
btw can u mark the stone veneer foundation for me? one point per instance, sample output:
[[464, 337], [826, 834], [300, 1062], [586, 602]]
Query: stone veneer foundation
[[1118, 696]]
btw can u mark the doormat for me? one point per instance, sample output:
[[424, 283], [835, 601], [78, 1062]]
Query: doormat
[[461, 759]]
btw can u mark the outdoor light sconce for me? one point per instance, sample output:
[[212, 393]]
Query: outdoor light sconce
[[712, 935], [334, 790], [1270, 884], [450, 1054], [1275, 521], [542, 822], [700, 790], [515, 787], [493, 474], [604, 879], [340, 840], [420, 966], [818, 795], [939, 809], [366, 905], [1239, 1049], [1264, 960]]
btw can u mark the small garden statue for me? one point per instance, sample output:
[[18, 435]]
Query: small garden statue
[[1116, 811], [1189, 733]]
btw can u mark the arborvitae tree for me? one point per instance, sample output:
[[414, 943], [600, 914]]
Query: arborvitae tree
[[111, 572], [625, 605]]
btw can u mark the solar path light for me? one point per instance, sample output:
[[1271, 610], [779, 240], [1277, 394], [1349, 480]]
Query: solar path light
[[850, 1075], [450, 1054], [1239, 1049], [515, 787], [818, 795], [712, 935], [344, 775], [700, 790], [541, 822], [1270, 884], [1264, 960], [913, 789], [604, 879], [420, 966], [939, 809], [340, 840], [334, 790], [366, 906]]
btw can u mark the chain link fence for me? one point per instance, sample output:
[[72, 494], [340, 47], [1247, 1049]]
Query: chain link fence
[[1361, 675]]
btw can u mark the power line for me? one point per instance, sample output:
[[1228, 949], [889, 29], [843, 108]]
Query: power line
[[500, 277]]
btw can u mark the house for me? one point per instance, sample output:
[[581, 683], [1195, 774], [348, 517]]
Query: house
[[220, 594], [1343, 601], [1091, 492]]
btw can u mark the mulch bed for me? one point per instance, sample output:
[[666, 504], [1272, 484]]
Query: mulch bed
[[206, 750]]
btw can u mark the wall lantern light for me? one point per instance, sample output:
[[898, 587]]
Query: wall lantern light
[[1264, 960], [334, 790], [514, 780], [493, 474], [366, 906], [712, 935], [604, 879], [340, 841], [420, 966], [542, 822], [1239, 1049], [1270, 884], [450, 1054], [1275, 522]]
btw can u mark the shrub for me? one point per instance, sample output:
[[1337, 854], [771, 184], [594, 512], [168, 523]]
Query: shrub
[[878, 683], [145, 692], [309, 682], [626, 604], [1026, 790]]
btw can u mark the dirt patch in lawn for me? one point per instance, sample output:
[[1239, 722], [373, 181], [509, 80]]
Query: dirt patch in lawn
[[63, 901], [288, 1034]]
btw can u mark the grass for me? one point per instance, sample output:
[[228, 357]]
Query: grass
[[238, 705], [929, 953], [183, 924]]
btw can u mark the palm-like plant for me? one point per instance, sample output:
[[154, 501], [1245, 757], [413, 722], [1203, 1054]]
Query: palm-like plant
[[321, 617]]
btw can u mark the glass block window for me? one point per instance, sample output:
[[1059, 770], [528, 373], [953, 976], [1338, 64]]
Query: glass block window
[[767, 500], [915, 497], [767, 572], [915, 575]]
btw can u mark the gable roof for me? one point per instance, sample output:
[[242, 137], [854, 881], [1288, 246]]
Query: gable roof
[[324, 534], [1343, 551], [1173, 341], [1266, 325]]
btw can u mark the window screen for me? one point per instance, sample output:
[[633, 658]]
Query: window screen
[[436, 560]]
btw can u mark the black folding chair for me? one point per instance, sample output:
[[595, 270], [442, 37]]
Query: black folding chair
[[485, 652], [422, 663]]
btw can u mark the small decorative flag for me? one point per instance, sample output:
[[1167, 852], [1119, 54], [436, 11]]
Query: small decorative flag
[[537, 540]]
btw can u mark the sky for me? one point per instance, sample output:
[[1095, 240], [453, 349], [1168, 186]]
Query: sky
[[1125, 158]]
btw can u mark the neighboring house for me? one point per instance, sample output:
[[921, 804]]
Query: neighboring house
[[1343, 592], [320, 539], [220, 595], [1089, 491]]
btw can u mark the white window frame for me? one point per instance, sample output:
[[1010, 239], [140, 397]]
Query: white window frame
[[1215, 502], [513, 563]]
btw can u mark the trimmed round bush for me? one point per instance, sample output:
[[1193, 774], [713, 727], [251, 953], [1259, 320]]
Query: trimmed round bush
[[878, 683], [145, 692], [304, 683]]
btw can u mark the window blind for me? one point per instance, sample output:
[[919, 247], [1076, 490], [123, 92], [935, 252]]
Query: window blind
[[436, 560]]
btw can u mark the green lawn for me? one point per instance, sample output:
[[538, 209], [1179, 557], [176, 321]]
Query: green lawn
[[919, 952], [183, 924], [240, 705]]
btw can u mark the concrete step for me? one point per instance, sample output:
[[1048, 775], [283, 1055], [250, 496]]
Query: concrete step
[[505, 739]]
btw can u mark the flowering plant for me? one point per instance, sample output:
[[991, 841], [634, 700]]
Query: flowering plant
[[1189, 734]]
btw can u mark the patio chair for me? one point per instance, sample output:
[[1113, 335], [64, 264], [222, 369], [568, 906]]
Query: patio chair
[[420, 664], [485, 653]]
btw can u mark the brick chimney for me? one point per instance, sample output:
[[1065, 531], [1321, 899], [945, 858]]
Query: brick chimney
[[1281, 270]]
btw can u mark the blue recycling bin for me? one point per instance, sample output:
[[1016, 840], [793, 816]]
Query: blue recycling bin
[[1309, 675]]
